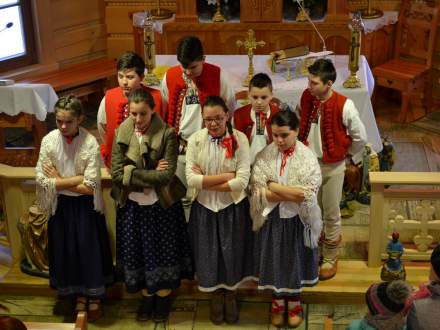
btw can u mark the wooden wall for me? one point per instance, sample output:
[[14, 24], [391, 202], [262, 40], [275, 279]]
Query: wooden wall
[[79, 30], [118, 17]]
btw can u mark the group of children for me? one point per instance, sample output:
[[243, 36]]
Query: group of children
[[253, 180], [395, 306]]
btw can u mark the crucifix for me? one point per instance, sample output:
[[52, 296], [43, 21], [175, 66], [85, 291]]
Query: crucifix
[[250, 44]]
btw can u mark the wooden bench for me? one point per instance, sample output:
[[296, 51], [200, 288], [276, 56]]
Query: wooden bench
[[21, 156], [80, 79], [80, 324]]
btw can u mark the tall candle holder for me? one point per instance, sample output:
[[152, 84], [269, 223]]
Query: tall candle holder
[[160, 13], [218, 16], [356, 26]]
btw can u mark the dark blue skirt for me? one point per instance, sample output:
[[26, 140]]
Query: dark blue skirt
[[152, 247], [222, 244], [283, 263], [80, 259]]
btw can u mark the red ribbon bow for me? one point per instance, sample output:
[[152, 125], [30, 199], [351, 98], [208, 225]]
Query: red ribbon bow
[[228, 144], [284, 156]]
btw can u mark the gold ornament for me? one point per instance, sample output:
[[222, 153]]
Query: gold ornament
[[149, 51], [218, 17], [356, 26], [250, 43], [160, 13], [369, 12]]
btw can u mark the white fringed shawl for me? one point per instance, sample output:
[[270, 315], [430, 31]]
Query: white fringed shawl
[[304, 172], [87, 163]]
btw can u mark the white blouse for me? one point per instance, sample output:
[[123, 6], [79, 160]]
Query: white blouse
[[210, 157], [287, 209], [81, 157]]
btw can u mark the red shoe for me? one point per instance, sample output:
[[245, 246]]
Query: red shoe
[[295, 316], [277, 314]]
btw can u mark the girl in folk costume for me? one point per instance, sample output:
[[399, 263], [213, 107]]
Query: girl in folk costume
[[284, 183], [69, 191], [217, 171], [254, 119], [152, 246], [113, 109]]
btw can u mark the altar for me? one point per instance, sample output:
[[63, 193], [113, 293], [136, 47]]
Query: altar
[[290, 91]]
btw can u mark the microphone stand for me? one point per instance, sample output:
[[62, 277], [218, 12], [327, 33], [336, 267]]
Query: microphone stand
[[314, 26]]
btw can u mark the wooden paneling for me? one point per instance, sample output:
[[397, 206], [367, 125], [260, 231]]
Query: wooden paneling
[[69, 31], [250, 10], [261, 11], [67, 14]]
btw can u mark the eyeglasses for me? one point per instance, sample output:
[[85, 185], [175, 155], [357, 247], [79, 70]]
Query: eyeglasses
[[216, 120]]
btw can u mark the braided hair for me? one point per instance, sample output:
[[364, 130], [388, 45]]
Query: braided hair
[[69, 103], [212, 101]]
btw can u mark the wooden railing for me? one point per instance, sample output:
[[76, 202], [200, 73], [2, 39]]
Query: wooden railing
[[18, 193], [384, 218]]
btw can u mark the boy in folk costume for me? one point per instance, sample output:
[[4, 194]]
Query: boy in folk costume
[[254, 119], [331, 127], [185, 88], [113, 109]]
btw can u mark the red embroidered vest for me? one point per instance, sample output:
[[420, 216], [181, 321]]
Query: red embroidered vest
[[208, 84], [244, 123], [334, 137], [115, 101]]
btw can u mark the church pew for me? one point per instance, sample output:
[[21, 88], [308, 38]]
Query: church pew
[[79, 79]]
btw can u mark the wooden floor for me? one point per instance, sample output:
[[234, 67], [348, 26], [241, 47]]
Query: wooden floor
[[347, 287]]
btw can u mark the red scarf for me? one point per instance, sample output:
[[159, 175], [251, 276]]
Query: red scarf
[[69, 139], [228, 144], [285, 156]]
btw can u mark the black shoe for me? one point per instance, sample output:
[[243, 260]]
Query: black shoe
[[216, 307], [162, 308], [231, 307], [145, 308]]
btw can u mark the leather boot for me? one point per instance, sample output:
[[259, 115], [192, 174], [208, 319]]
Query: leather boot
[[94, 310], [216, 308], [330, 252], [145, 308], [162, 308], [231, 307]]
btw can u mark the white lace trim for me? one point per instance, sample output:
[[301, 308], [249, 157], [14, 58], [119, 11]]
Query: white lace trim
[[87, 163], [304, 172]]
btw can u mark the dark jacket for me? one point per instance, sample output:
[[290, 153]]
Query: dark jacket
[[425, 312], [134, 164]]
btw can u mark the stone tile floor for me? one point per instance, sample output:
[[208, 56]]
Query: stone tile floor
[[186, 314]]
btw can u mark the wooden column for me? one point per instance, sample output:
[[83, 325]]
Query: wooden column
[[186, 11]]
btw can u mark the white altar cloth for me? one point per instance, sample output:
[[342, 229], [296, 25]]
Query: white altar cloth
[[290, 91], [34, 99]]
